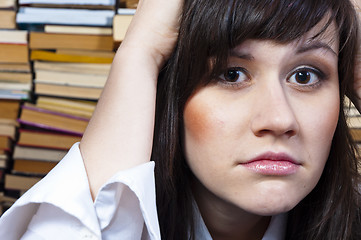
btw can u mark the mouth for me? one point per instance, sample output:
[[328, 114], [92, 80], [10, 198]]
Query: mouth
[[274, 164]]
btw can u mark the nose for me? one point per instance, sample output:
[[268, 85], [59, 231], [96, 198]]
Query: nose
[[274, 114]]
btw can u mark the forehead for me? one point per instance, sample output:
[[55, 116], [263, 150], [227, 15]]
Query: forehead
[[323, 32], [322, 36]]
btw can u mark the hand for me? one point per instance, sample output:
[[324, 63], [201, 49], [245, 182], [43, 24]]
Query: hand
[[154, 28]]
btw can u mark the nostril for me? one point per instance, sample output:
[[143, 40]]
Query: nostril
[[290, 133], [261, 133]]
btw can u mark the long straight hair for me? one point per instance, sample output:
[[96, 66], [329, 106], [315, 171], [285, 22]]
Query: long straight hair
[[209, 30]]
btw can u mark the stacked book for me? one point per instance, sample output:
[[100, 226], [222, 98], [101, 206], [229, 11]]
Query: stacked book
[[8, 114], [15, 71], [353, 118], [15, 74], [48, 129], [7, 14], [129, 3], [71, 45], [15, 85], [71, 48], [121, 23]]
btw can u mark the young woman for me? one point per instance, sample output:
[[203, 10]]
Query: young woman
[[245, 126]]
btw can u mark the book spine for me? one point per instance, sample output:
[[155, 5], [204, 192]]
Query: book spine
[[50, 128], [55, 113]]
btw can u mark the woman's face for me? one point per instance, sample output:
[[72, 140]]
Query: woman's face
[[258, 137]]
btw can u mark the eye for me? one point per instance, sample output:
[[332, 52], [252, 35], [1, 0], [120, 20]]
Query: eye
[[306, 76], [234, 75]]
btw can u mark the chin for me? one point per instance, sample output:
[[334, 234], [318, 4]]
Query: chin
[[273, 204], [270, 210]]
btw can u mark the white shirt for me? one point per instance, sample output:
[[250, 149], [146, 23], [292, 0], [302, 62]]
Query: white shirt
[[60, 207]]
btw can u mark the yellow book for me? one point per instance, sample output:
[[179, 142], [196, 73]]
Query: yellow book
[[56, 57], [78, 30], [92, 53], [90, 68]]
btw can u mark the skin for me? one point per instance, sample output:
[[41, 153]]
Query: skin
[[227, 124]]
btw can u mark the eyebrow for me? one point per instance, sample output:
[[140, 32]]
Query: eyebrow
[[316, 45], [234, 53]]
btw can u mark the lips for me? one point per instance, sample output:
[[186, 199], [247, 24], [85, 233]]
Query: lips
[[270, 163]]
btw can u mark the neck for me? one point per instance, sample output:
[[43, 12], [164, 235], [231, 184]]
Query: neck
[[226, 221]]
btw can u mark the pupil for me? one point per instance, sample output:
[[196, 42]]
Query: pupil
[[303, 77], [232, 75]]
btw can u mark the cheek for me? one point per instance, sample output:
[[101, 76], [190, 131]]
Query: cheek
[[324, 122], [319, 125], [328, 122], [201, 121], [205, 134]]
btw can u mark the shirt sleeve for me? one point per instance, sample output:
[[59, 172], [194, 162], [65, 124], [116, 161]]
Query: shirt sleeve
[[60, 205]]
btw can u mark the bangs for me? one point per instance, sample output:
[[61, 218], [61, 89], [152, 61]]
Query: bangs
[[215, 27], [279, 20]]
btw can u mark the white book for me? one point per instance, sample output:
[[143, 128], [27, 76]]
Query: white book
[[90, 68], [72, 79], [66, 11], [15, 86], [78, 30], [40, 154], [60, 16], [13, 94], [354, 122], [351, 112], [7, 3], [73, 2], [3, 162], [120, 24], [14, 36], [126, 11]]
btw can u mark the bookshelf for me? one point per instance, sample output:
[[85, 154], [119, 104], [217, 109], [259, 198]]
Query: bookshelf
[[55, 56]]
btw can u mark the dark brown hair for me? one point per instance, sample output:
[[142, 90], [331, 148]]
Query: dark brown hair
[[209, 30]]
